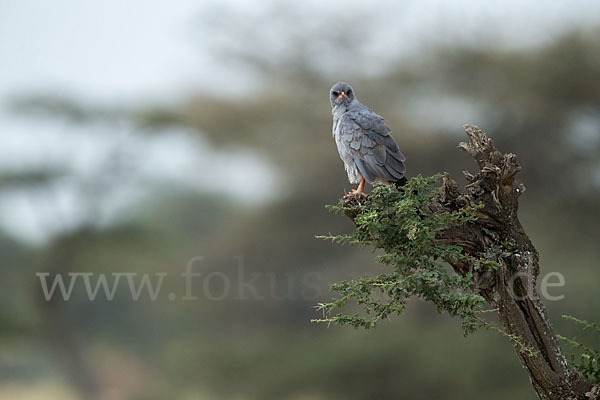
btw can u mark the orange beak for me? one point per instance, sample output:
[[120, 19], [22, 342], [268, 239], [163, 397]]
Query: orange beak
[[342, 94]]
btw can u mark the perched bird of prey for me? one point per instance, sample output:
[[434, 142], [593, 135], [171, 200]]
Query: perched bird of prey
[[364, 142]]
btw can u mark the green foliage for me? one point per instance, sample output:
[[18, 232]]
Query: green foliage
[[588, 360], [402, 224]]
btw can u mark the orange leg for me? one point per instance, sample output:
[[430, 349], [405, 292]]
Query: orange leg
[[361, 185], [359, 190]]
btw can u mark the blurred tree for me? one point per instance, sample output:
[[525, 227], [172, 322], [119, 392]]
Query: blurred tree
[[280, 111]]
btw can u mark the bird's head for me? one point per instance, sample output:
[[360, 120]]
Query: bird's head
[[341, 94]]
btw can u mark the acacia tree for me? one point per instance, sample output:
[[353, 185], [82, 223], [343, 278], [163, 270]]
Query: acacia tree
[[465, 251]]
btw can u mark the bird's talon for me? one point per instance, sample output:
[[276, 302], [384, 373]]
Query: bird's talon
[[353, 192]]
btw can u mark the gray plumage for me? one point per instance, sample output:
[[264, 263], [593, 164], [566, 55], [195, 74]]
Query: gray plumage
[[363, 139]]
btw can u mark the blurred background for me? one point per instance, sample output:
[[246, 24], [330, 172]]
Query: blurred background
[[138, 135]]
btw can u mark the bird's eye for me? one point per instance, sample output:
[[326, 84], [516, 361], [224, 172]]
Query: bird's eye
[[349, 92], [336, 94]]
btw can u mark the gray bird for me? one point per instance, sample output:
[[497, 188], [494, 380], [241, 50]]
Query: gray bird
[[364, 142]]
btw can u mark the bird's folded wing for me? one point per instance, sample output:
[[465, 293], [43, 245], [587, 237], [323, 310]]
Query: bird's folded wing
[[375, 153]]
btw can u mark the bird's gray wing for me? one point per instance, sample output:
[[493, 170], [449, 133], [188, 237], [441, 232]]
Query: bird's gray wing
[[375, 152]]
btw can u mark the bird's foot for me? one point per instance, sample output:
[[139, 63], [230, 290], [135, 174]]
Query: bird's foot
[[353, 192]]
